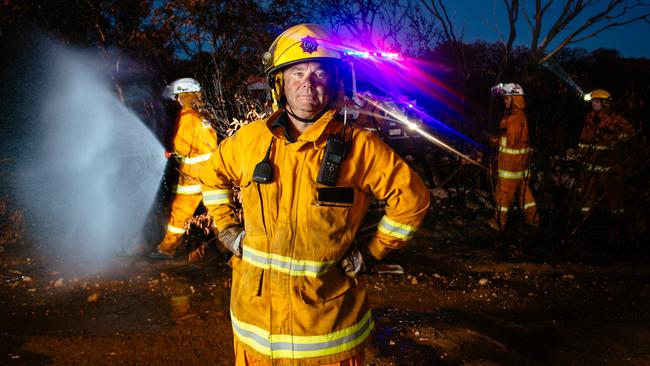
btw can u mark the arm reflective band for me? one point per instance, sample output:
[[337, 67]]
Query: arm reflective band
[[506, 174], [193, 189], [196, 159], [217, 197], [175, 230], [593, 147], [395, 229], [597, 168]]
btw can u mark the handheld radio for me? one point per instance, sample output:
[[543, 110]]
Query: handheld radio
[[334, 154]]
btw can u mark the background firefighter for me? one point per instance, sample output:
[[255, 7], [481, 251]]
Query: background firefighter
[[602, 158], [296, 298], [513, 158], [193, 143]]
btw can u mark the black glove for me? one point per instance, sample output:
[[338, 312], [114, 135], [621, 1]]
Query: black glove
[[357, 261], [232, 237]]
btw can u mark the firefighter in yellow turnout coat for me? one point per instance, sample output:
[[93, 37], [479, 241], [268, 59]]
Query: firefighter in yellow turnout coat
[[602, 136], [513, 158], [296, 298], [194, 142]]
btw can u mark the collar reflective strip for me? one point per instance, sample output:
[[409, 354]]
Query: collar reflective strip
[[597, 168], [509, 151], [299, 347], [395, 229], [217, 197], [193, 189], [196, 159], [593, 147], [513, 175], [175, 230], [529, 205], [293, 267]]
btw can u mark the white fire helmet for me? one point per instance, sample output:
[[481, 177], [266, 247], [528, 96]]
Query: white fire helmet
[[507, 89], [184, 85]]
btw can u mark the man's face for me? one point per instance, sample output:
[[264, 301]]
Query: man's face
[[507, 101], [307, 88], [596, 105]]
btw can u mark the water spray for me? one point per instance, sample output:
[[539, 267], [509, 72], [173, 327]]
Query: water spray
[[403, 120]]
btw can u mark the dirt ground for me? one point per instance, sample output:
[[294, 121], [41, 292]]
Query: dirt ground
[[462, 300]]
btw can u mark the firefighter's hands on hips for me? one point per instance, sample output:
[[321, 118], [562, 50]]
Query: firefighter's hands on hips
[[232, 237], [357, 261]]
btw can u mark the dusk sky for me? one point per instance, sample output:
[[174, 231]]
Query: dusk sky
[[484, 19]]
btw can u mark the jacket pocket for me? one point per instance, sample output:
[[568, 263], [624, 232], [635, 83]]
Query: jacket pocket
[[331, 285]]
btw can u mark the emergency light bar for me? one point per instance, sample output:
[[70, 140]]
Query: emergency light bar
[[368, 54]]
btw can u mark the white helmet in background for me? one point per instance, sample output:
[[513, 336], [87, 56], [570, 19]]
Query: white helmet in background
[[507, 89], [184, 85]]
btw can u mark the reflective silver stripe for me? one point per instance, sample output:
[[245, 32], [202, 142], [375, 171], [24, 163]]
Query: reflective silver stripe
[[175, 230], [193, 189], [396, 229], [301, 347], [529, 205], [194, 159], [217, 197], [593, 147], [509, 151], [597, 168], [291, 266], [503, 208], [506, 174]]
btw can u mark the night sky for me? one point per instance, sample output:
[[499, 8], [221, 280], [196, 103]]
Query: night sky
[[484, 19]]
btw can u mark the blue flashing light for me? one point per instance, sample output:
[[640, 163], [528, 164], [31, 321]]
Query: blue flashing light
[[366, 54]]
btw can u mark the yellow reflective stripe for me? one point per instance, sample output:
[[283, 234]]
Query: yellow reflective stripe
[[597, 168], [195, 159], [503, 208], [529, 205], [513, 175], [175, 230], [299, 347], [509, 151], [217, 197], [585, 209], [593, 147], [395, 229], [291, 266], [193, 189]]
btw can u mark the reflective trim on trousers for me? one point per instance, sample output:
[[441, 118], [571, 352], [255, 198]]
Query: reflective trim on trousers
[[195, 159], [175, 230], [529, 205], [217, 197], [395, 229], [506, 174], [280, 263], [300, 347], [193, 189]]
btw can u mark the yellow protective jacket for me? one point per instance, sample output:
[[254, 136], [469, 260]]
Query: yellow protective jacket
[[514, 150], [599, 140], [290, 301], [194, 142]]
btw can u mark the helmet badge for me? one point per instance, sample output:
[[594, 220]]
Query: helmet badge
[[309, 44]]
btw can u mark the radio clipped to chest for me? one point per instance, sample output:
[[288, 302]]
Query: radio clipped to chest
[[335, 151]]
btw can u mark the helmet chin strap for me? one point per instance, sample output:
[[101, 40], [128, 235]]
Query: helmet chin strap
[[306, 120]]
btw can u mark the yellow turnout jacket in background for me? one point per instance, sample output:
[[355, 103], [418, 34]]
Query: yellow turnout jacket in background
[[290, 302]]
